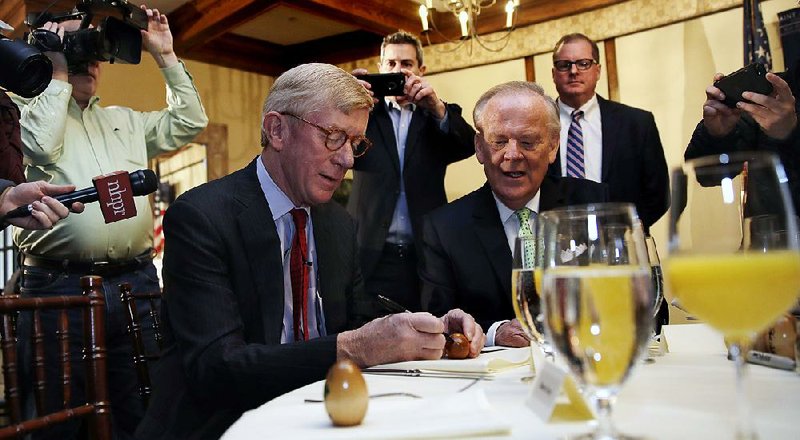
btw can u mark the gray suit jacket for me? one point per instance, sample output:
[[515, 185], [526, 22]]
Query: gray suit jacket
[[467, 262], [223, 308]]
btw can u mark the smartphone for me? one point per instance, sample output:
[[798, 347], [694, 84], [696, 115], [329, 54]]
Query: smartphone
[[751, 78], [385, 84]]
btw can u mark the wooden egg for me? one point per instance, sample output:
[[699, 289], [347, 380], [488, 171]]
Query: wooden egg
[[457, 347], [346, 396]]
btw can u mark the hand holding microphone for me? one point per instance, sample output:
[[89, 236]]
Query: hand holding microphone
[[45, 211], [115, 191]]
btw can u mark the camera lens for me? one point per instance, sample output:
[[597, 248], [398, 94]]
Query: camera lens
[[26, 71]]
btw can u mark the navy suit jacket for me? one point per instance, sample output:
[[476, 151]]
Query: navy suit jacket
[[634, 166], [223, 308], [376, 180], [466, 259]]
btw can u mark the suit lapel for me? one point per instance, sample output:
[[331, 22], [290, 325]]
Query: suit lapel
[[386, 130], [609, 124], [414, 130], [550, 194], [262, 246], [492, 237]]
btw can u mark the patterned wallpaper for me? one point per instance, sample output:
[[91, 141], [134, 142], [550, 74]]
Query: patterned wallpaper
[[612, 21]]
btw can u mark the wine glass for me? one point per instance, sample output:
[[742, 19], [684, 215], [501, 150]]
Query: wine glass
[[597, 297], [730, 265], [656, 275], [526, 292]]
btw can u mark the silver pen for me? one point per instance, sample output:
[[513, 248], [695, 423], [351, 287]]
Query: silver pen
[[770, 360]]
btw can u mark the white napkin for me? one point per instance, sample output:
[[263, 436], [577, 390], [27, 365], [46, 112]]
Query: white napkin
[[692, 338], [401, 418], [485, 363]]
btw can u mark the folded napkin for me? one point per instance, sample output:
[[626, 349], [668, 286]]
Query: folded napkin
[[484, 364], [692, 338], [402, 418]]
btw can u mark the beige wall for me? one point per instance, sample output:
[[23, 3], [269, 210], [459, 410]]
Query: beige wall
[[230, 96]]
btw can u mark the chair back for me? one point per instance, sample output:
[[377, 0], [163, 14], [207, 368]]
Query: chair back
[[96, 408], [136, 330]]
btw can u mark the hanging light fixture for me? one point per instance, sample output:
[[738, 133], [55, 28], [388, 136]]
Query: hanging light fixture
[[466, 12]]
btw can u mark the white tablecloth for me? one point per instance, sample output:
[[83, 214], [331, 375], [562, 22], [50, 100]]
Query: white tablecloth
[[680, 396]]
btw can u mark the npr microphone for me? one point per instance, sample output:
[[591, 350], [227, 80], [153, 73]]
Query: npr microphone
[[143, 182]]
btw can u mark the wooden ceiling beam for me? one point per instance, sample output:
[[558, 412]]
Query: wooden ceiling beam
[[201, 21], [243, 53], [381, 17], [336, 49]]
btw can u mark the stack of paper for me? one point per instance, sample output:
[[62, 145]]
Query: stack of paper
[[484, 366]]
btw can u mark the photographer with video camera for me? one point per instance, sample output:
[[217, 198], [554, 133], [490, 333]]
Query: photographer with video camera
[[69, 138]]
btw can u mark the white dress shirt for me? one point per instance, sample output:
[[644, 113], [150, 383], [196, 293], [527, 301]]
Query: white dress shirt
[[592, 128], [511, 228], [281, 208]]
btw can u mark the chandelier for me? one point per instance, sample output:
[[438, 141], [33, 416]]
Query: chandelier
[[466, 12]]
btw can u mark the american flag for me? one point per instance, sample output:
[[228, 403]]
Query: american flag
[[756, 43]]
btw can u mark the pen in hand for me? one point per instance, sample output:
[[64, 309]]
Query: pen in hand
[[394, 307]]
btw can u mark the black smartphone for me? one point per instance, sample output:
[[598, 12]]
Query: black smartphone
[[385, 84], [750, 78]]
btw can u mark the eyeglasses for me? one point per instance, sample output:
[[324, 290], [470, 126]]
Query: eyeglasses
[[566, 65], [335, 138], [501, 143]]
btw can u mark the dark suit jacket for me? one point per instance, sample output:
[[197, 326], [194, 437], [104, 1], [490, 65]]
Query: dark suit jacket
[[466, 259], [223, 308], [376, 181], [634, 167]]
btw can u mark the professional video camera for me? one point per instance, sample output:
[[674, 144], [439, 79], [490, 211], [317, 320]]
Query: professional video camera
[[26, 71], [116, 39]]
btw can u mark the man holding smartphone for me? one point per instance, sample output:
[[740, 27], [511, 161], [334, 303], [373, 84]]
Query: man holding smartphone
[[416, 136], [758, 122]]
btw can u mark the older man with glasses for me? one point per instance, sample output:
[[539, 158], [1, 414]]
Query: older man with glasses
[[603, 140], [264, 289]]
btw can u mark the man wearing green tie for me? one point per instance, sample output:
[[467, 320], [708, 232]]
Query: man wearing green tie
[[467, 243]]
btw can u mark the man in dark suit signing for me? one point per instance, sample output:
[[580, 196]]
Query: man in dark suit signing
[[467, 243], [603, 140], [262, 284], [416, 137]]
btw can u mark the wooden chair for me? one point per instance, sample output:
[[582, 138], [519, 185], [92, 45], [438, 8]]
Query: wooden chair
[[140, 355], [96, 409]]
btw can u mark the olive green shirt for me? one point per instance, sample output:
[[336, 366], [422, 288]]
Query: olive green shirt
[[63, 144]]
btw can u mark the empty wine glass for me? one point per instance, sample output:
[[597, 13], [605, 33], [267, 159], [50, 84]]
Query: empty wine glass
[[526, 282], [597, 296], [732, 230]]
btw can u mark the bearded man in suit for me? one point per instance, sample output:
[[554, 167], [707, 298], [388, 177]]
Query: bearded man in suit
[[263, 287], [467, 243]]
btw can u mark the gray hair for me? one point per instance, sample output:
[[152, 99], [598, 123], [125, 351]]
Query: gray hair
[[516, 88], [314, 86]]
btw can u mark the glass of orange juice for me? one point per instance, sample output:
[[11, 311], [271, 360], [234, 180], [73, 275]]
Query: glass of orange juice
[[734, 260]]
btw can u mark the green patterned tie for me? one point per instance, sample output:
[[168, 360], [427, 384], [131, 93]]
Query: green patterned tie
[[524, 216]]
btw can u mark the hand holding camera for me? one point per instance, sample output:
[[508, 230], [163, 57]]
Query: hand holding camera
[[764, 96]]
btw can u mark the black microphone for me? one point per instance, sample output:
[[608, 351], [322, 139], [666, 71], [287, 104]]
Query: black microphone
[[143, 182]]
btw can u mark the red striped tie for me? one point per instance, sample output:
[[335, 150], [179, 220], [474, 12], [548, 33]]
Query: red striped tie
[[299, 273]]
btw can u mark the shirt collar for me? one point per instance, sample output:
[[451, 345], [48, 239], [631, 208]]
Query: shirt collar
[[588, 107], [279, 202], [506, 212], [392, 104]]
